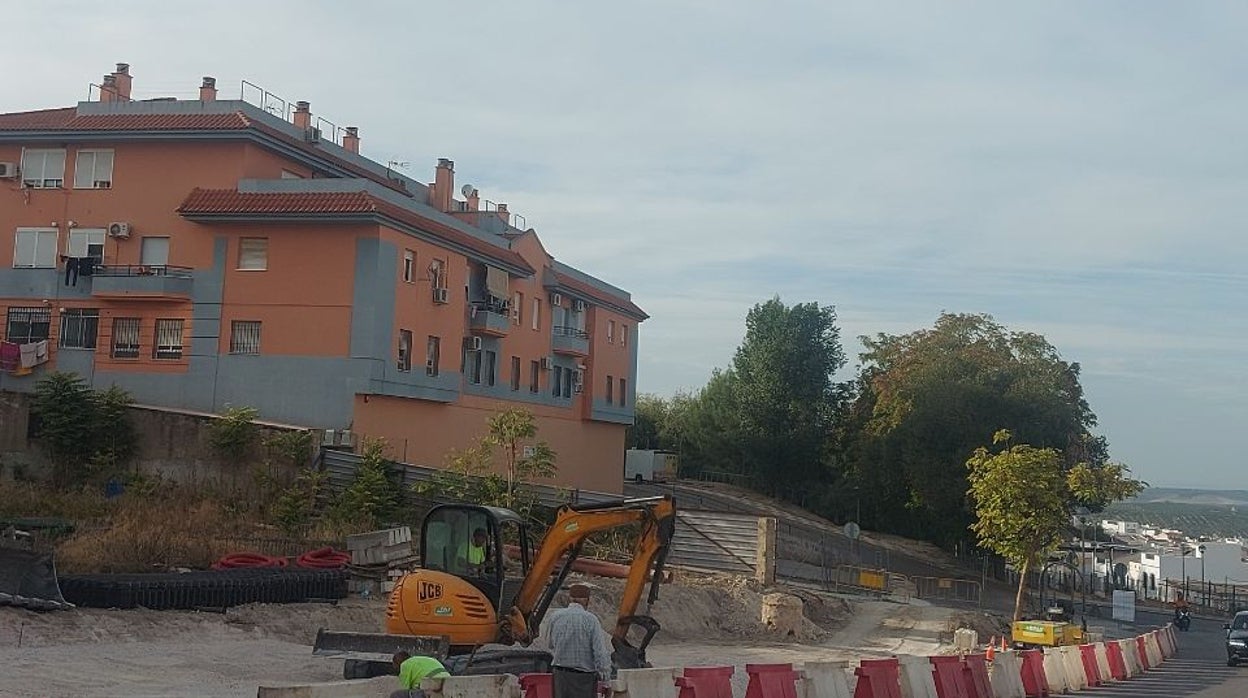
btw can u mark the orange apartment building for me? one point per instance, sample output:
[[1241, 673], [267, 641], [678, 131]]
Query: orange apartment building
[[208, 253]]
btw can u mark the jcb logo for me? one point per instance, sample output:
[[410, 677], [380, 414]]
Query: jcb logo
[[429, 591]]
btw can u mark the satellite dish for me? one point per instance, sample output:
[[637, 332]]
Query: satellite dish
[[467, 190], [852, 531]]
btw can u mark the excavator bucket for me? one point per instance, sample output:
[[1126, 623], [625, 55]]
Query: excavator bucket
[[28, 580], [377, 647]]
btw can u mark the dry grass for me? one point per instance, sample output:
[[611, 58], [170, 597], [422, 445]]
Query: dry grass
[[29, 499], [143, 534]]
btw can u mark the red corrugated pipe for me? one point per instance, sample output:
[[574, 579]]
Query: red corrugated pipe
[[324, 558]]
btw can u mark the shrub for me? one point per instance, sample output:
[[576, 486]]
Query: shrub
[[234, 433]]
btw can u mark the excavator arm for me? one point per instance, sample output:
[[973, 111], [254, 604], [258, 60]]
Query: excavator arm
[[562, 545]]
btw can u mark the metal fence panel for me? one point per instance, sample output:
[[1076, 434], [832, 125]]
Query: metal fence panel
[[715, 541]]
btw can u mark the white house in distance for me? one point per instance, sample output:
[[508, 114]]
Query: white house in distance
[[1120, 528], [1160, 574]]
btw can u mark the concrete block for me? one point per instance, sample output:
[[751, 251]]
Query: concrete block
[[1007, 676], [1153, 649], [917, 680], [370, 688], [381, 554], [383, 538], [484, 686], [645, 683], [825, 680]]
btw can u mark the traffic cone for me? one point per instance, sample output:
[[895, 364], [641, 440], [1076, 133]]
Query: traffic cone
[[992, 648], [1004, 647]]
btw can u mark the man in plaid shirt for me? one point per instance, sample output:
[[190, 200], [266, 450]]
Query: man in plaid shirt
[[581, 657]]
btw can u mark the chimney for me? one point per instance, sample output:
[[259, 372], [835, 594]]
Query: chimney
[[351, 140], [503, 214], [303, 115], [108, 89], [208, 90], [443, 184], [474, 200], [123, 80]]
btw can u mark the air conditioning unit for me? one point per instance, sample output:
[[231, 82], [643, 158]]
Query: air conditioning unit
[[441, 295], [346, 438], [548, 362], [329, 438], [556, 299], [474, 343], [119, 230], [8, 170], [578, 306]]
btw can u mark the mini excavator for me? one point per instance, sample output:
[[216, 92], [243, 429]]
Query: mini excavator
[[483, 588]]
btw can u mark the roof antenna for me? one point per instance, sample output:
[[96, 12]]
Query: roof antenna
[[391, 165]]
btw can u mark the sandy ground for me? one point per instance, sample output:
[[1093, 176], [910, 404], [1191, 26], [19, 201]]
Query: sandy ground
[[90, 652]]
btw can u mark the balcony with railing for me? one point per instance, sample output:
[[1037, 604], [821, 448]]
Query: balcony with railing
[[489, 318], [570, 341], [155, 281]]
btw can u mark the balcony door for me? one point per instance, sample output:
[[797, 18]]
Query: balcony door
[[154, 252]]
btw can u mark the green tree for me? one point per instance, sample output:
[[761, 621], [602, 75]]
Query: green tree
[[785, 397], [477, 474], [233, 435], [373, 496], [1024, 498], [925, 400], [87, 432], [650, 413]]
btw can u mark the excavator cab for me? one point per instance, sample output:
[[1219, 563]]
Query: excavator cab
[[472, 542]]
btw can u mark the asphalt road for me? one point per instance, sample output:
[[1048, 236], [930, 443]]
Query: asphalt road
[[1199, 670]]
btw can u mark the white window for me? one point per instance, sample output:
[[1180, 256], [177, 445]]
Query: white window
[[437, 273], [79, 328], [517, 302], [245, 337], [154, 252], [537, 312], [433, 355], [35, 248], [126, 338], [94, 169], [623, 335], [610, 331], [168, 339], [253, 254], [409, 266], [87, 242], [405, 350], [43, 168]]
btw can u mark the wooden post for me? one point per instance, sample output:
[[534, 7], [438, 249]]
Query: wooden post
[[765, 559]]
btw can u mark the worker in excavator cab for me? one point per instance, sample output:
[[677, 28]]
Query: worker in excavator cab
[[472, 553]]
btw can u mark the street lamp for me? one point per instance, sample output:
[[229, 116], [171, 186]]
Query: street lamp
[[1203, 590]]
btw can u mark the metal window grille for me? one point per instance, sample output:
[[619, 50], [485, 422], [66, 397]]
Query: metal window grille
[[534, 376], [126, 338], [168, 339], [79, 328], [26, 325], [245, 337]]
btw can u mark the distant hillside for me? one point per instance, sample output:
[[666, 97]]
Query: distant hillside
[[1195, 512], [1178, 495]]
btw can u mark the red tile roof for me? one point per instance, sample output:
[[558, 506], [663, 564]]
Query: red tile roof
[[599, 295], [68, 119], [209, 202], [229, 201]]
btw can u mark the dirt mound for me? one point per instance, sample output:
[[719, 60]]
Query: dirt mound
[[708, 608]]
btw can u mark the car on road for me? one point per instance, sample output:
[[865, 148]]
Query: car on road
[[1237, 639]]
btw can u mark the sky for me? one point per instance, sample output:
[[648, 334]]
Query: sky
[[1072, 169]]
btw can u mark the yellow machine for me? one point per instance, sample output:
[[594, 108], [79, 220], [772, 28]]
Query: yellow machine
[[1045, 633], [481, 582]]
